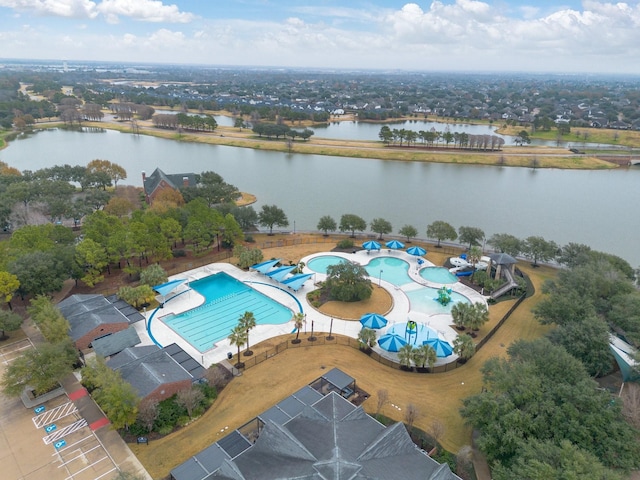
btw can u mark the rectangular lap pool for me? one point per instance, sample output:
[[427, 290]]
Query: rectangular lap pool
[[226, 300]]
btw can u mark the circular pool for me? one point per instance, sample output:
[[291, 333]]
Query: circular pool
[[320, 263], [438, 275]]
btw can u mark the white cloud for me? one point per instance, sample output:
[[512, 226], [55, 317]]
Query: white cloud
[[143, 10], [58, 8]]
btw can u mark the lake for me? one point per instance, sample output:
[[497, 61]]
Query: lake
[[598, 208]]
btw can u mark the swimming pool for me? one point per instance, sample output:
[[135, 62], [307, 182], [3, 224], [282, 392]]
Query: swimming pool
[[394, 270], [421, 334], [226, 300], [438, 275], [319, 264], [424, 300]]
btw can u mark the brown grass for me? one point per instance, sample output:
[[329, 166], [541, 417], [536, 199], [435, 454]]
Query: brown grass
[[438, 396]]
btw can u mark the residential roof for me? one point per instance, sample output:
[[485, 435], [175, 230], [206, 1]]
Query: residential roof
[[337, 377], [328, 439], [115, 342], [176, 180], [148, 367], [84, 312], [502, 258]]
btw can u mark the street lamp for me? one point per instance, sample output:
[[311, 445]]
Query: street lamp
[[380, 278]]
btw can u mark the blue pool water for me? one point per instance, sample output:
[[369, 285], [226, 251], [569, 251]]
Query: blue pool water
[[319, 264], [424, 300], [394, 270], [226, 300], [438, 275], [415, 338]]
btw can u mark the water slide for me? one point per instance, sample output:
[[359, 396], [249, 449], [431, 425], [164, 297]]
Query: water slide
[[510, 284]]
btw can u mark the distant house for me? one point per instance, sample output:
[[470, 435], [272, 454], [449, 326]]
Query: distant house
[[159, 181], [93, 316], [314, 436], [157, 373]]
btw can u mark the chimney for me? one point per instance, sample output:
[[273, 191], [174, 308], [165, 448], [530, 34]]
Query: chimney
[[185, 181], [144, 176]]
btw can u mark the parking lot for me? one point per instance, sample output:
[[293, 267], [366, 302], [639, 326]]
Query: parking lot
[[53, 441]]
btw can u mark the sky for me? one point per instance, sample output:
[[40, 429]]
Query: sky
[[567, 36]]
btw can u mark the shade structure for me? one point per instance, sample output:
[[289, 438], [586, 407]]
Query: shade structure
[[394, 244], [391, 342], [417, 251], [279, 273], [442, 347], [373, 320], [371, 245], [166, 288], [264, 267], [295, 282]]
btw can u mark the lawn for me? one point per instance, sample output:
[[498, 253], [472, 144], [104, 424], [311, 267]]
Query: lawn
[[437, 396]]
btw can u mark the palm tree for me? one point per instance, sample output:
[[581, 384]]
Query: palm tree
[[405, 355], [464, 347], [424, 354], [298, 321], [479, 316], [247, 322], [238, 337], [461, 313], [475, 253], [367, 338]]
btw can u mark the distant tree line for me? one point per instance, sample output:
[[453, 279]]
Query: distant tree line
[[432, 137], [185, 121]]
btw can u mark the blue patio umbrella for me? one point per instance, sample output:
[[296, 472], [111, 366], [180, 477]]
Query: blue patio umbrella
[[391, 342], [373, 320], [417, 251], [395, 244], [371, 245], [442, 347]]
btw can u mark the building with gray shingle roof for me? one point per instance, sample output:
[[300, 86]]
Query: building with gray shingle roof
[[158, 181], [329, 438], [156, 373], [93, 316]]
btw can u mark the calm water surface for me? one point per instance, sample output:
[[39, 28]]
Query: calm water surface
[[598, 208]]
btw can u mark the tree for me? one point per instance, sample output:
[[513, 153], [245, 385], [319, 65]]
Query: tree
[[522, 138], [248, 322], [49, 320], [40, 272], [348, 282], [540, 392], [461, 312], [247, 256], [505, 243], [9, 322], [9, 284], [542, 459], [383, 399], [40, 369], [405, 355], [367, 338], [386, 135], [441, 230], [470, 235], [352, 223], [479, 316], [271, 215], [424, 355], [238, 337], [114, 171], [408, 231], [92, 258], [298, 322], [153, 275], [117, 399], [327, 224], [147, 414], [574, 255], [464, 347], [411, 414], [537, 248], [381, 227], [190, 399]]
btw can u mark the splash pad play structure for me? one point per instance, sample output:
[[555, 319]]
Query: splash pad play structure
[[444, 296]]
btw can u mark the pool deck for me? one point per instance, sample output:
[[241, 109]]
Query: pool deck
[[183, 298]]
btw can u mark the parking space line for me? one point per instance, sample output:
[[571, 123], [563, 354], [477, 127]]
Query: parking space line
[[57, 413], [106, 473], [58, 452], [86, 468], [81, 454], [58, 434]]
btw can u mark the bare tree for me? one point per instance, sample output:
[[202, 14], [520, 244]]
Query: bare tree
[[464, 459], [631, 404], [437, 430], [411, 414], [190, 399], [215, 377], [147, 414], [383, 399]]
